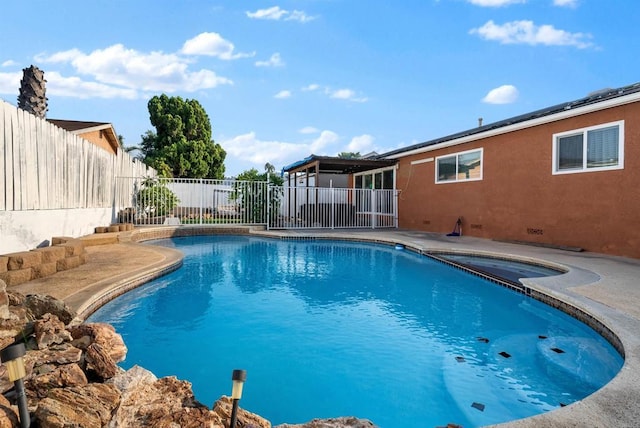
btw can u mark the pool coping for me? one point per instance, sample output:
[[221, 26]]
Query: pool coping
[[613, 405]]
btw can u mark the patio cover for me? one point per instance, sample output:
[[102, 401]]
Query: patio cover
[[335, 165]]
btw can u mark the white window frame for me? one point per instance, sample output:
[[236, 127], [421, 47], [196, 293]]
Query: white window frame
[[554, 163], [457, 154], [372, 173]]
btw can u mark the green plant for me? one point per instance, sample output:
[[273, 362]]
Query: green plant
[[255, 193], [155, 198]]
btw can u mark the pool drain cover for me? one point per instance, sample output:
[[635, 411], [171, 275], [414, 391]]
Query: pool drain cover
[[478, 406], [505, 354]]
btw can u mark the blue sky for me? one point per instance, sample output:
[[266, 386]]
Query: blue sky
[[281, 80]]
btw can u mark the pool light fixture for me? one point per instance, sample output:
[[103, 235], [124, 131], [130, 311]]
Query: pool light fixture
[[12, 358], [238, 377]]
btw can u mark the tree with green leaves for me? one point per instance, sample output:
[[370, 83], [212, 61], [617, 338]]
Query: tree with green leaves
[[181, 146], [349, 155], [250, 196], [127, 149]]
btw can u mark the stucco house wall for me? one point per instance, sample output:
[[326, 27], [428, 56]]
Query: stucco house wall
[[520, 199]]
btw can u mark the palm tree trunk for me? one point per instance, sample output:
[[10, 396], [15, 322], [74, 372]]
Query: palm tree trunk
[[32, 96]]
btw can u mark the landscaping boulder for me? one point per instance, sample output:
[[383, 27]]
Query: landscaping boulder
[[102, 334], [88, 405], [4, 301], [166, 402], [56, 354], [99, 362], [37, 305], [245, 419], [59, 377], [8, 415], [49, 330], [127, 381], [348, 422]]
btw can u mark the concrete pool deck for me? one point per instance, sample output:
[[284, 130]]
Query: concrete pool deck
[[606, 288]]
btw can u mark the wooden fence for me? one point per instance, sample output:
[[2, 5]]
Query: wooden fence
[[45, 167]]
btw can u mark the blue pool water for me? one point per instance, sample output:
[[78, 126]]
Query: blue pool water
[[327, 329]]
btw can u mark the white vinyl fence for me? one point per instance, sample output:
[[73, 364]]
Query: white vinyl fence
[[159, 201]]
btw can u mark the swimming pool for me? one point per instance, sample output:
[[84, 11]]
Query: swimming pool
[[329, 329]]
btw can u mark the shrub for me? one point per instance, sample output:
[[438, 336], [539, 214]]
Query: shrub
[[155, 198]]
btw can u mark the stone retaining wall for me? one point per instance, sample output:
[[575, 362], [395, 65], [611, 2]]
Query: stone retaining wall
[[147, 233], [64, 253]]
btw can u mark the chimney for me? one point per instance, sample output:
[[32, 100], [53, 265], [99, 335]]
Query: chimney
[[479, 122]]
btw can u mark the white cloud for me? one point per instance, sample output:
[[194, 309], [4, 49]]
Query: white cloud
[[342, 94], [565, 3], [10, 83], [362, 144], [9, 63], [77, 88], [121, 72], [345, 94], [526, 32], [308, 130], [495, 3], [249, 148], [505, 94], [59, 57], [212, 44], [299, 16], [337, 94], [320, 144], [283, 94], [275, 13], [274, 61]]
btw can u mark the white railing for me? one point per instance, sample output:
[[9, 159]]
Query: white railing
[[176, 201], [334, 208], [158, 201]]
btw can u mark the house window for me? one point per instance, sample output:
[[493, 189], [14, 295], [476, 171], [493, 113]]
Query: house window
[[463, 166], [380, 179], [589, 149]]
